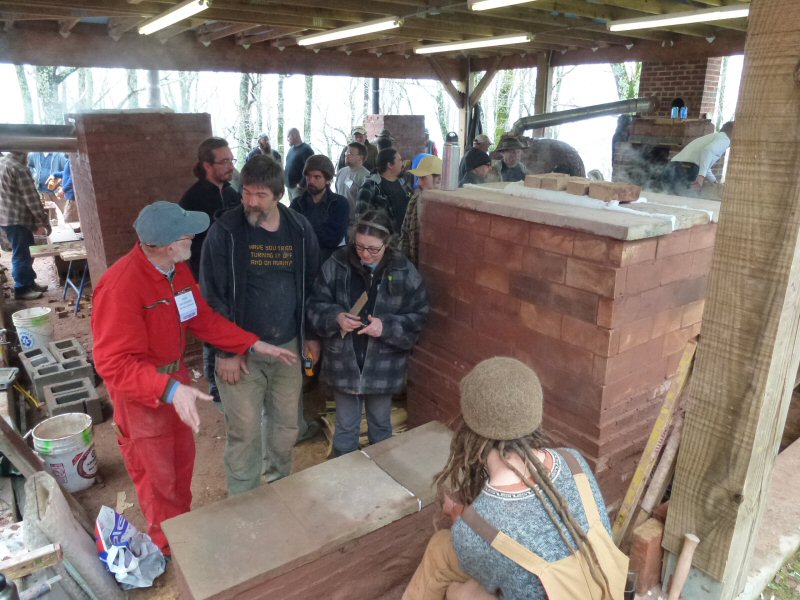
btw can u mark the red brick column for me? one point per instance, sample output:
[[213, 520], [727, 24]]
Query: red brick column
[[127, 160], [694, 81], [408, 132], [602, 321]]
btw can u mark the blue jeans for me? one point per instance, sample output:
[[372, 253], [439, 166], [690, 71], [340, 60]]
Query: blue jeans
[[21, 239], [348, 420]]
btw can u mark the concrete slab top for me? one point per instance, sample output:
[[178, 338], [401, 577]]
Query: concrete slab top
[[660, 215], [412, 459], [343, 499], [258, 534]]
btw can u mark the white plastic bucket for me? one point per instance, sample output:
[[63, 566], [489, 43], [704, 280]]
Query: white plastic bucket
[[66, 445], [34, 327]]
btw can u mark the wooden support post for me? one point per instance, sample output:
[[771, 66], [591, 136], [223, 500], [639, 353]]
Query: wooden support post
[[544, 88], [749, 348]]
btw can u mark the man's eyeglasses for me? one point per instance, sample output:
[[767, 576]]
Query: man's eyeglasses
[[369, 249], [225, 161]]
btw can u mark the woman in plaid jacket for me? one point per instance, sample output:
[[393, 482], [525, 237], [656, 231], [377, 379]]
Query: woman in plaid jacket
[[365, 352]]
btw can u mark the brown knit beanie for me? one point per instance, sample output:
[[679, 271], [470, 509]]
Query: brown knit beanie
[[321, 163], [501, 399]]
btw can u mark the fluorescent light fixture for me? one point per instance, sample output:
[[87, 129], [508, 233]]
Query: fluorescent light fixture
[[490, 4], [350, 31], [182, 11], [491, 42], [705, 15]]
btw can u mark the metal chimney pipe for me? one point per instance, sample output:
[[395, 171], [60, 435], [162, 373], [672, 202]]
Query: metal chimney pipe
[[637, 105]]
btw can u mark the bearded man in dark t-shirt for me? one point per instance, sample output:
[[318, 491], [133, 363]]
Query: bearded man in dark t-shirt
[[258, 263]]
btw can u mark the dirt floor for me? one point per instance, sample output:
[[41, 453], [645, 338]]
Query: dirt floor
[[208, 484]]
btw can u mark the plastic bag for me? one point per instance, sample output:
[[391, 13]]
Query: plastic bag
[[128, 553]]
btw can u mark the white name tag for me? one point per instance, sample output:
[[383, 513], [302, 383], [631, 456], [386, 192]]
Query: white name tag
[[187, 308]]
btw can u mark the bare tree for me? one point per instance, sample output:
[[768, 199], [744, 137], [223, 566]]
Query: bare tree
[[505, 97], [25, 92], [308, 108], [627, 76], [85, 90], [281, 80], [48, 83], [133, 89], [559, 73]]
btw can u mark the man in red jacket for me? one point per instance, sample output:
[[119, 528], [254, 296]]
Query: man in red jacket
[[143, 306]]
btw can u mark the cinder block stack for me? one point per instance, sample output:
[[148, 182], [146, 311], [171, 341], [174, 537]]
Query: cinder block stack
[[63, 379]]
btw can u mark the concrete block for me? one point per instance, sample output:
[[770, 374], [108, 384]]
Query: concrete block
[[92, 407], [34, 358], [74, 393], [646, 554], [74, 368], [66, 349]]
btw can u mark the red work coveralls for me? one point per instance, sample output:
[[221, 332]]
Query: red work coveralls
[[137, 329]]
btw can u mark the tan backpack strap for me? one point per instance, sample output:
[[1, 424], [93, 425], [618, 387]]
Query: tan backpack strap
[[479, 525], [584, 488], [504, 544]]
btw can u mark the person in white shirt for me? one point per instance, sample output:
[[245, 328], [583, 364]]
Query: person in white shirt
[[691, 167], [350, 178]]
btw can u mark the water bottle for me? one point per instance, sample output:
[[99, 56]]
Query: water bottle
[[451, 156], [8, 591], [675, 112], [684, 112]]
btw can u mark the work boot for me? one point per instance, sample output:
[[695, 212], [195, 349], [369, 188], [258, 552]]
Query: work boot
[[27, 293], [38, 287]]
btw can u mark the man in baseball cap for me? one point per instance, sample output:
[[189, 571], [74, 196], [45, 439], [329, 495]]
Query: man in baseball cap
[[143, 306], [359, 134]]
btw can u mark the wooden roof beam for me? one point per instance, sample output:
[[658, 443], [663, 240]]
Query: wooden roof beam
[[65, 26], [117, 26], [230, 29], [268, 35], [458, 97], [476, 94]]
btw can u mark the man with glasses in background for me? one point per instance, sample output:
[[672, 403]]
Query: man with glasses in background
[[211, 193]]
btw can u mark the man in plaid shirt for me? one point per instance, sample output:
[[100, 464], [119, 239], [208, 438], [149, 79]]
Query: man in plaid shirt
[[21, 216]]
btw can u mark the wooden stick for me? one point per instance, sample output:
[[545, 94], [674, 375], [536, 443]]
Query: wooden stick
[[664, 470], [30, 562], [625, 521], [690, 542]]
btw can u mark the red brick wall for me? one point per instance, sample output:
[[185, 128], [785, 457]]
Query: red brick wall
[[603, 322], [126, 161], [408, 132], [694, 81]]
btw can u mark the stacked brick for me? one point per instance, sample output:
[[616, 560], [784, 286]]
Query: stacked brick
[[602, 321], [581, 186], [125, 161], [695, 81], [408, 132], [62, 378], [652, 144]]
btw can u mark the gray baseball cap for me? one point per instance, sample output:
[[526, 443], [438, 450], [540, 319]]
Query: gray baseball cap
[[162, 222]]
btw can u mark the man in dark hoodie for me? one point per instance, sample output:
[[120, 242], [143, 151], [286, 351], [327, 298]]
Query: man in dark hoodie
[[258, 263], [211, 193]]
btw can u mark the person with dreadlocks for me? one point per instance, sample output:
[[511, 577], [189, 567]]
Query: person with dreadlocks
[[368, 306], [530, 522]]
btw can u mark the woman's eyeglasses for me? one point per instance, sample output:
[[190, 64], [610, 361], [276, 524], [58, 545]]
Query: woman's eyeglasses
[[369, 249]]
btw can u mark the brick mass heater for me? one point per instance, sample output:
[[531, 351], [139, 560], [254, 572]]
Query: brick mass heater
[[599, 302]]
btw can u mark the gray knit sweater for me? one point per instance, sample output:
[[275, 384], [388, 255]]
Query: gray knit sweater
[[521, 516]]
